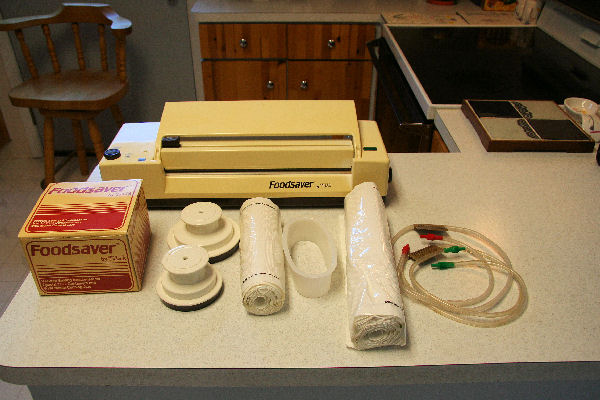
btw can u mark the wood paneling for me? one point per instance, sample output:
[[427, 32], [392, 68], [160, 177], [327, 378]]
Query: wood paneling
[[219, 41], [244, 80], [310, 41]]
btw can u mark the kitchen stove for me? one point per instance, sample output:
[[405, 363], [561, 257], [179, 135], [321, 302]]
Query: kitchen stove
[[558, 58]]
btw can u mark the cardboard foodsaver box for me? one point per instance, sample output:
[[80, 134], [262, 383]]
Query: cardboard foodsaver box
[[499, 5], [88, 237]]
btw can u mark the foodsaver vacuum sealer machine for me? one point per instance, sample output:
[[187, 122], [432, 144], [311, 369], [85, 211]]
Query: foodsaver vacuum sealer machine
[[290, 151]]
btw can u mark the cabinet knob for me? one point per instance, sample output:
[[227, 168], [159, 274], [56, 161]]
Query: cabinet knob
[[243, 43], [270, 84], [304, 85], [331, 43]]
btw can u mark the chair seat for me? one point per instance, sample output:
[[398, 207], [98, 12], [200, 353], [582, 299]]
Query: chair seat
[[70, 90]]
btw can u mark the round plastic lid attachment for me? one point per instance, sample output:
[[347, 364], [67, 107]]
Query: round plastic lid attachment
[[203, 224], [188, 282], [307, 282]]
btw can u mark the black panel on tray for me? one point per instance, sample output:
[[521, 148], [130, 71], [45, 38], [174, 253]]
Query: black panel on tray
[[557, 129]]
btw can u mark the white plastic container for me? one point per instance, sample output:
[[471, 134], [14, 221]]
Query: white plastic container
[[308, 283]]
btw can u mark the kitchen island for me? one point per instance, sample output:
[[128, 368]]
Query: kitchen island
[[541, 208]]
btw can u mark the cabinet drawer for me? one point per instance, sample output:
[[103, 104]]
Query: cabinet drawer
[[244, 80], [331, 80], [329, 41], [219, 41]]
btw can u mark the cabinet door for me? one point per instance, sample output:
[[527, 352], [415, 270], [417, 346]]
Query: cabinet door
[[329, 41], [218, 41], [437, 143], [244, 80], [331, 80]]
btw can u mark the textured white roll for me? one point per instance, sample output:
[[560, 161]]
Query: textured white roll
[[261, 252], [375, 308]]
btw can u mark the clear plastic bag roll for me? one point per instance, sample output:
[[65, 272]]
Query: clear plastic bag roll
[[261, 252], [375, 308]]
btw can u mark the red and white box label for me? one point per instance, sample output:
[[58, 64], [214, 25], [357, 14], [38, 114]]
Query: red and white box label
[[88, 237]]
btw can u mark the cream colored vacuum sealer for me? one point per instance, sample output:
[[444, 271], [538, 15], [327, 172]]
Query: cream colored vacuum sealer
[[288, 150]]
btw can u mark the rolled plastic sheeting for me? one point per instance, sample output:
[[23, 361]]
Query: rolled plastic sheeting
[[261, 252], [375, 308]]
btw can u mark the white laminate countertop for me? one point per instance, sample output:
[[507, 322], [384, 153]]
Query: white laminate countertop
[[541, 208], [357, 11]]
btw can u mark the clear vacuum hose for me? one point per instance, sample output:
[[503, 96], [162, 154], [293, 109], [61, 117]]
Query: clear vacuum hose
[[475, 311]]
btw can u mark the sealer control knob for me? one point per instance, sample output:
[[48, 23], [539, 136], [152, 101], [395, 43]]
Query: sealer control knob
[[112, 154]]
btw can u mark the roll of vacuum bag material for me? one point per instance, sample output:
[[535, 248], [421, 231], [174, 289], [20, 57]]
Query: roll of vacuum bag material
[[375, 308], [261, 252]]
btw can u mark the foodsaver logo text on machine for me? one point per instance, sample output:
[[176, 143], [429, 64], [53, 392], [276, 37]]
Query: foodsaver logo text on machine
[[290, 184]]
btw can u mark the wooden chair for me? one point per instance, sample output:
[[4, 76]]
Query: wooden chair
[[77, 94]]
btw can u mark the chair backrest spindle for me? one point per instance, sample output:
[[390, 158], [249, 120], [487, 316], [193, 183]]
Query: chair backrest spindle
[[78, 46], [51, 49], [76, 14], [27, 54], [102, 43], [121, 59]]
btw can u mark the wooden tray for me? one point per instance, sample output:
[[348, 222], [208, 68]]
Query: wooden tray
[[525, 125]]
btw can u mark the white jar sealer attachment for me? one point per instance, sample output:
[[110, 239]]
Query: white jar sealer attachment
[[188, 282], [204, 224], [310, 284]]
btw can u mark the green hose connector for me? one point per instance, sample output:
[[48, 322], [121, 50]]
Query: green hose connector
[[442, 265], [453, 249]]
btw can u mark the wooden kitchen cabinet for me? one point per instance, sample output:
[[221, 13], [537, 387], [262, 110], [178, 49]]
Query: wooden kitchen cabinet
[[325, 80], [287, 61], [226, 41], [244, 80], [329, 41]]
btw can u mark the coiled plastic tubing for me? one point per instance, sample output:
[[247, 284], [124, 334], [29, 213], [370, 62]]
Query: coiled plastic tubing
[[476, 311]]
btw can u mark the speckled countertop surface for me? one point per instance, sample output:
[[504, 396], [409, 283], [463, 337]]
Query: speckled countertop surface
[[393, 11], [542, 208], [293, 11]]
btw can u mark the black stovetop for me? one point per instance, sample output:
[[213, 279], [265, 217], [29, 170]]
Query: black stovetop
[[515, 63]]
